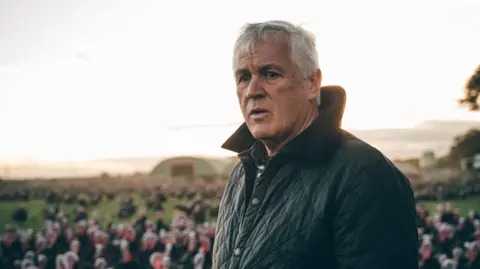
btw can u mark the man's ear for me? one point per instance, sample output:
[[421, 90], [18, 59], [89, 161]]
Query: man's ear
[[317, 78], [316, 81]]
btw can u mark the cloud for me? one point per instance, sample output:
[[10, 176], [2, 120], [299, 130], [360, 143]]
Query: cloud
[[9, 70], [430, 135]]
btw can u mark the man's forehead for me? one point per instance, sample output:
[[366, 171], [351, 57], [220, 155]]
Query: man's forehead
[[255, 62], [264, 53]]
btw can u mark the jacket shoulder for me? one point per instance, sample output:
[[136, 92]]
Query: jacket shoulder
[[361, 163], [357, 154]]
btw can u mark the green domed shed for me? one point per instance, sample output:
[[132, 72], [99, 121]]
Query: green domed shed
[[201, 167]]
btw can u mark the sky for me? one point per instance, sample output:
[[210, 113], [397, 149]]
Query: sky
[[93, 79]]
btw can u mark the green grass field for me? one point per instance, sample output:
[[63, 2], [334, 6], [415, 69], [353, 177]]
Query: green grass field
[[463, 205], [105, 209], [110, 208]]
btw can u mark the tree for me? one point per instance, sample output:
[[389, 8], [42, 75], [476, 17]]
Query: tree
[[472, 91], [465, 146]]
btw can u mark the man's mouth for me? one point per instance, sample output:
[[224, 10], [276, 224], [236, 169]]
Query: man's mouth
[[258, 111]]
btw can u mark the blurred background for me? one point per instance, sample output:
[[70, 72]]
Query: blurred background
[[114, 111]]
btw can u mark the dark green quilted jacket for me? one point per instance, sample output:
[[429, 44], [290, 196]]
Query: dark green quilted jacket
[[326, 200]]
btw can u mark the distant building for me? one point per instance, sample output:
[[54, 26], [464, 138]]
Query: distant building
[[428, 160]]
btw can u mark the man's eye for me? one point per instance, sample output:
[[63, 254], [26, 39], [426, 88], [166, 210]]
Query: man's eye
[[244, 77], [271, 75]]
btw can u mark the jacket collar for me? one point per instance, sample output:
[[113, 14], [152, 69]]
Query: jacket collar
[[316, 141]]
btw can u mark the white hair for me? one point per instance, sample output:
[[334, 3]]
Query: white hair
[[300, 41]]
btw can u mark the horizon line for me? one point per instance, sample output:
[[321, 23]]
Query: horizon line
[[26, 160]]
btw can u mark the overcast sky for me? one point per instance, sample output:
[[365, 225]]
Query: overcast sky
[[98, 79]]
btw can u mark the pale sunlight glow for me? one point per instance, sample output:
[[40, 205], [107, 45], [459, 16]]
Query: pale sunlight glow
[[96, 79]]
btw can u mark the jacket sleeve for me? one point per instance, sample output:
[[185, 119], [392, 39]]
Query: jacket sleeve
[[374, 224]]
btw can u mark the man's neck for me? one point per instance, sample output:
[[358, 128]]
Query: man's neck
[[273, 146]]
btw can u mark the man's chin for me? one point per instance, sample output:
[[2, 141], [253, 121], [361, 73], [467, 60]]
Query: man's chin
[[263, 135]]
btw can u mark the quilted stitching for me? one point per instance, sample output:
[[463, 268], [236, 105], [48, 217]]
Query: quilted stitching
[[295, 212], [286, 195]]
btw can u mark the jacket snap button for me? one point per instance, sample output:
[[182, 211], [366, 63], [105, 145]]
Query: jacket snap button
[[237, 252], [255, 201]]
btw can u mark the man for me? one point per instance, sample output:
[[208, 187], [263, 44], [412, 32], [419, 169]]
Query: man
[[305, 194]]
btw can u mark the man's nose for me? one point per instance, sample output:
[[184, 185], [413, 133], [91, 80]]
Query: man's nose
[[255, 89]]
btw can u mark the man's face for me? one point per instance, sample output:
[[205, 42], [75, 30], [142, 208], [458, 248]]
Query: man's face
[[274, 96]]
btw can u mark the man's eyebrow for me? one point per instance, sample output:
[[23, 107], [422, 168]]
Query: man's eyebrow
[[263, 68], [270, 66], [241, 71], [267, 66]]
